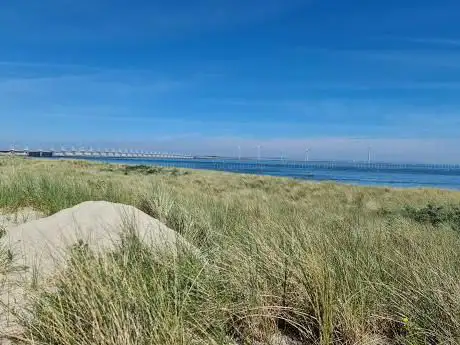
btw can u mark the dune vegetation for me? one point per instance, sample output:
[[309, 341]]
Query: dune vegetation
[[287, 262]]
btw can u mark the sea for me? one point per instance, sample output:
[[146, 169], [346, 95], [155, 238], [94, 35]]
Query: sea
[[373, 174]]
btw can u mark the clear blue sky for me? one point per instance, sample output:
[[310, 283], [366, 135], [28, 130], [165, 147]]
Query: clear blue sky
[[209, 75]]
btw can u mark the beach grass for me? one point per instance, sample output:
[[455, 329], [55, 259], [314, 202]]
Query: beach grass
[[317, 263]]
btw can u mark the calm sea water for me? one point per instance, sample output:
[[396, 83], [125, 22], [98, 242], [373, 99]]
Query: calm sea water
[[406, 176]]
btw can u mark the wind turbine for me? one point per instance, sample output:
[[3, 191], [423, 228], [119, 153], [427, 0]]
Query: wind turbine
[[258, 152], [369, 155], [239, 152], [307, 154]]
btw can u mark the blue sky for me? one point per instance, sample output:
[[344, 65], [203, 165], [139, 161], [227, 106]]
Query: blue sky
[[209, 75]]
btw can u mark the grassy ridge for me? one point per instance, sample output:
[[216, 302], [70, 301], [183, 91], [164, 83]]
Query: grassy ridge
[[321, 263]]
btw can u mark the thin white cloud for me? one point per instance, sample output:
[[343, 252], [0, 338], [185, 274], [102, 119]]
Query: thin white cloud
[[410, 57], [37, 64], [416, 57], [86, 87], [446, 42], [117, 104], [355, 85]]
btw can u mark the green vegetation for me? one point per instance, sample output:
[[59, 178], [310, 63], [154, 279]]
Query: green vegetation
[[436, 215], [148, 170], [320, 263]]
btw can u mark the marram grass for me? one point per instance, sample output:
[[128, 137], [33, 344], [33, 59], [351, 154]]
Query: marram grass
[[320, 263]]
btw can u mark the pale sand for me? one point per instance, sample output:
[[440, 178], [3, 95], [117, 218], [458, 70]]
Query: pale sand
[[19, 217]]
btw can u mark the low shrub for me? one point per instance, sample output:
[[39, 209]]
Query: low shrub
[[435, 215]]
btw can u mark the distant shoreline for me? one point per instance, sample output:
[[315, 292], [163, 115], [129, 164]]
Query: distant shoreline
[[374, 174]]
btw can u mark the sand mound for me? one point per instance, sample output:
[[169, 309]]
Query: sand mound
[[40, 247], [43, 243]]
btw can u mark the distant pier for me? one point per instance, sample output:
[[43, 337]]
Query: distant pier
[[95, 153]]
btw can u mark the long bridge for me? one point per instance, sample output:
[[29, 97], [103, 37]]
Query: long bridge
[[94, 153]]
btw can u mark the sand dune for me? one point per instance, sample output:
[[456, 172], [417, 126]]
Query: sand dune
[[40, 247]]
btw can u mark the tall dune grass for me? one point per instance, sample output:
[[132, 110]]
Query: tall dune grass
[[318, 263]]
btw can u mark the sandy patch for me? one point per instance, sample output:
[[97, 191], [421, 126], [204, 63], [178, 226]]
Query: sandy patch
[[19, 217], [372, 205]]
